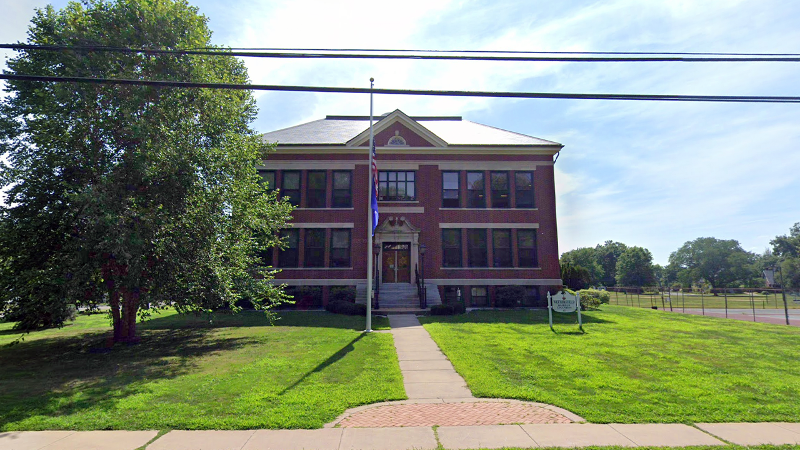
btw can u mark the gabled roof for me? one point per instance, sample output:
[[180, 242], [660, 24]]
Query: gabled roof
[[392, 118], [440, 131]]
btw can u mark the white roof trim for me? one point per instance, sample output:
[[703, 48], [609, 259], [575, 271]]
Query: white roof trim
[[397, 116]]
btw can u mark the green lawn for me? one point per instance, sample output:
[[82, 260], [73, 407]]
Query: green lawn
[[235, 373], [631, 366]]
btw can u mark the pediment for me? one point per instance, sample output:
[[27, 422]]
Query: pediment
[[396, 224], [398, 124]]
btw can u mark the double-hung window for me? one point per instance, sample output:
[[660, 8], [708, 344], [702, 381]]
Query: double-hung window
[[531, 296], [290, 188], [479, 296], [524, 187], [342, 189], [397, 186], [314, 248], [501, 248], [450, 191], [476, 247], [340, 248], [476, 192], [268, 178], [451, 247], [316, 188], [288, 256], [526, 245], [499, 185]]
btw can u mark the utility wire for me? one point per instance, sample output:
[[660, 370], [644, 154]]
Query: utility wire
[[345, 90], [522, 52], [320, 55]]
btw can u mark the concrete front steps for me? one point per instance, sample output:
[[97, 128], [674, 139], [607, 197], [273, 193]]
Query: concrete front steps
[[399, 297]]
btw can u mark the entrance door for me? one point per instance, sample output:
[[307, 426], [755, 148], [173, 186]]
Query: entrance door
[[396, 266]]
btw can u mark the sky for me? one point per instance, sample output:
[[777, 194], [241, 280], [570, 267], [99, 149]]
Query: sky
[[651, 174]]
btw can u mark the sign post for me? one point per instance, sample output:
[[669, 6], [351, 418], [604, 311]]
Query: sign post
[[564, 302]]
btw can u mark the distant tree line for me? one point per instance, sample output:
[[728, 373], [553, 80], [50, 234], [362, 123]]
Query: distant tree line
[[704, 262]]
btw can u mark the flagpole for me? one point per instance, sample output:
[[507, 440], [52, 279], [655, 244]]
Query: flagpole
[[369, 213]]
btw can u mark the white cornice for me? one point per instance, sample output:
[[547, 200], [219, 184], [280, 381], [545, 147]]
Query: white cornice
[[308, 165], [321, 164], [495, 281], [504, 225], [318, 281], [321, 225], [451, 150]]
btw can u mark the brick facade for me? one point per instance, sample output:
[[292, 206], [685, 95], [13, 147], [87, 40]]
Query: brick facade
[[426, 213]]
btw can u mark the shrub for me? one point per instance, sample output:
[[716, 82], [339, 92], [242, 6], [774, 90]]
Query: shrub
[[347, 308], [34, 315], [442, 310], [305, 297], [509, 296], [459, 308], [589, 302], [601, 296], [343, 294]]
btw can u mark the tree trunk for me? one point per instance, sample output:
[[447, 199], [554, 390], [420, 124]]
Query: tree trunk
[[130, 306], [113, 300], [116, 318]]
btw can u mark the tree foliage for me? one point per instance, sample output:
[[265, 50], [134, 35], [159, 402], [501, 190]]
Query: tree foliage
[[723, 263], [635, 267], [788, 246], [574, 277], [139, 196], [786, 251], [585, 258], [607, 256]]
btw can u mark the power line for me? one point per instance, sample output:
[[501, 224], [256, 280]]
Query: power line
[[322, 55], [345, 90], [523, 52]]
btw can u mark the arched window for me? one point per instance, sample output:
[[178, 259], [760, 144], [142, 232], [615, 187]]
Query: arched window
[[396, 140]]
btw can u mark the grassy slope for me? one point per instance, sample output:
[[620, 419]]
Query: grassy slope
[[239, 373], [631, 365]]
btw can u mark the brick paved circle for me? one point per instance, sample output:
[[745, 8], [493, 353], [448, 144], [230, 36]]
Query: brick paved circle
[[451, 414]]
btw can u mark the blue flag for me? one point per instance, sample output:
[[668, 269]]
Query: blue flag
[[374, 189]]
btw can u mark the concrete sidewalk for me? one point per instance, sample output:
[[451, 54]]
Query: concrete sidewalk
[[472, 437]]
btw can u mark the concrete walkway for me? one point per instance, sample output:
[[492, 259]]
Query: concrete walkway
[[427, 373]]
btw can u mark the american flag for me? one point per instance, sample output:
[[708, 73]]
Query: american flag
[[374, 188]]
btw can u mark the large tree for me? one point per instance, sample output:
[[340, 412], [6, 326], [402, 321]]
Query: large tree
[[788, 246], [786, 249], [722, 263], [586, 258], [139, 196], [635, 267], [607, 255]]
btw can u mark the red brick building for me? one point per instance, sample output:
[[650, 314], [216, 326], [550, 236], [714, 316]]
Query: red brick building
[[481, 200]]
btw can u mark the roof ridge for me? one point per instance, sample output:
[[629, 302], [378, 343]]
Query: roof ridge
[[293, 126], [383, 116], [512, 132]]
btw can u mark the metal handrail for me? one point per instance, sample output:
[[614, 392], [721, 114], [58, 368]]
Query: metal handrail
[[420, 288]]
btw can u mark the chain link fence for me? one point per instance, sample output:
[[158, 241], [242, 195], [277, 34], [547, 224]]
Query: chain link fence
[[756, 304]]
